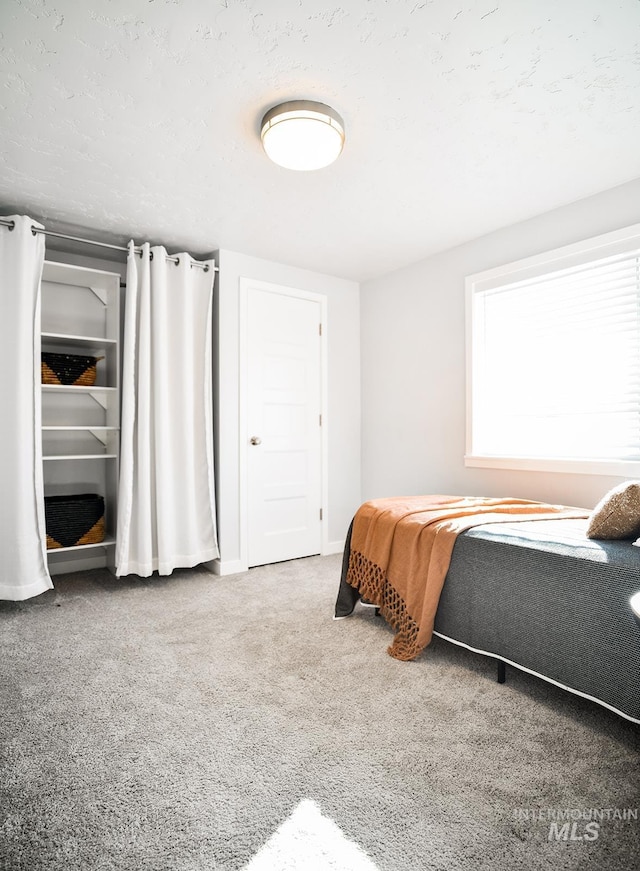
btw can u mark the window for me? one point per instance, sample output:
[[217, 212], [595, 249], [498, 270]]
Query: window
[[553, 360]]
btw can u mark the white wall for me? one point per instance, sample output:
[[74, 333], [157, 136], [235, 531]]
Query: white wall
[[413, 362], [343, 343]]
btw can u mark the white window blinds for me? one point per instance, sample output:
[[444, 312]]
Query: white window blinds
[[555, 362]]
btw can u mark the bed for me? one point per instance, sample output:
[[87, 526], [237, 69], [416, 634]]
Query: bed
[[541, 596]]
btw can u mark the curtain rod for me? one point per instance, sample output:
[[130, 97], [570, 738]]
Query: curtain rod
[[34, 230]]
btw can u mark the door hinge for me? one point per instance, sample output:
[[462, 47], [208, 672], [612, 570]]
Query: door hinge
[[321, 514], [319, 329], [319, 420]]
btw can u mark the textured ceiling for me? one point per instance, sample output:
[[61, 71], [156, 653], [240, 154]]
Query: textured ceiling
[[140, 118]]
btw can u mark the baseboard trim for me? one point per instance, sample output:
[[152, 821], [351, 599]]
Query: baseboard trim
[[228, 567], [333, 547]]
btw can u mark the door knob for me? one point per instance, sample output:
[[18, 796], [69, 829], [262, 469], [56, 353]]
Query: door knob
[[255, 440]]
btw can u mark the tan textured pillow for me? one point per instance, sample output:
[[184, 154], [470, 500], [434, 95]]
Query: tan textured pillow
[[617, 515]]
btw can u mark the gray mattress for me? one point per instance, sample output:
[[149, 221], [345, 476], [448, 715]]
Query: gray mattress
[[546, 598], [542, 596]]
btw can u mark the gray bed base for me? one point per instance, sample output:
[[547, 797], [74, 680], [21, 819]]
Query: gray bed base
[[542, 597]]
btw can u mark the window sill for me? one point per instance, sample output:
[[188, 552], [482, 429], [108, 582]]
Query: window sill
[[615, 468]]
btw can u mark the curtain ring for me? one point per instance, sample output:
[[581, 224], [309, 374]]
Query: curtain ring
[[177, 261], [33, 230], [11, 226], [150, 256], [206, 269]]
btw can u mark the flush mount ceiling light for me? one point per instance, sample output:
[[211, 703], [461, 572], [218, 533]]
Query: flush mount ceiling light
[[302, 134]]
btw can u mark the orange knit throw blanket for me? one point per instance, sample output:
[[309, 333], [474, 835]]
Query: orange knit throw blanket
[[401, 549]]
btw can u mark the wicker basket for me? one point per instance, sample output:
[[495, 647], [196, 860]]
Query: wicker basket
[[69, 369], [74, 520]]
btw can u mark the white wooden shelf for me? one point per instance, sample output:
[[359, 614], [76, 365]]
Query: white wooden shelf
[[80, 457], [70, 339], [106, 542], [77, 388], [87, 428]]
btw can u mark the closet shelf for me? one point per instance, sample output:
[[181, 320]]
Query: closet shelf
[[80, 428], [77, 388], [106, 542], [66, 339], [80, 457]]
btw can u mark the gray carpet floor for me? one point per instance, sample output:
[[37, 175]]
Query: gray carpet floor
[[197, 722]]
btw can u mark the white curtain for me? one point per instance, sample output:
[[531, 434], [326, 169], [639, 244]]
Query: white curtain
[[166, 507], [23, 564]]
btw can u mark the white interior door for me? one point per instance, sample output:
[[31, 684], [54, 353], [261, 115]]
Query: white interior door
[[283, 439]]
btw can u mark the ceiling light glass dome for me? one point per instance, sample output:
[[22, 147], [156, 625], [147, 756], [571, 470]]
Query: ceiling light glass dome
[[302, 135]]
